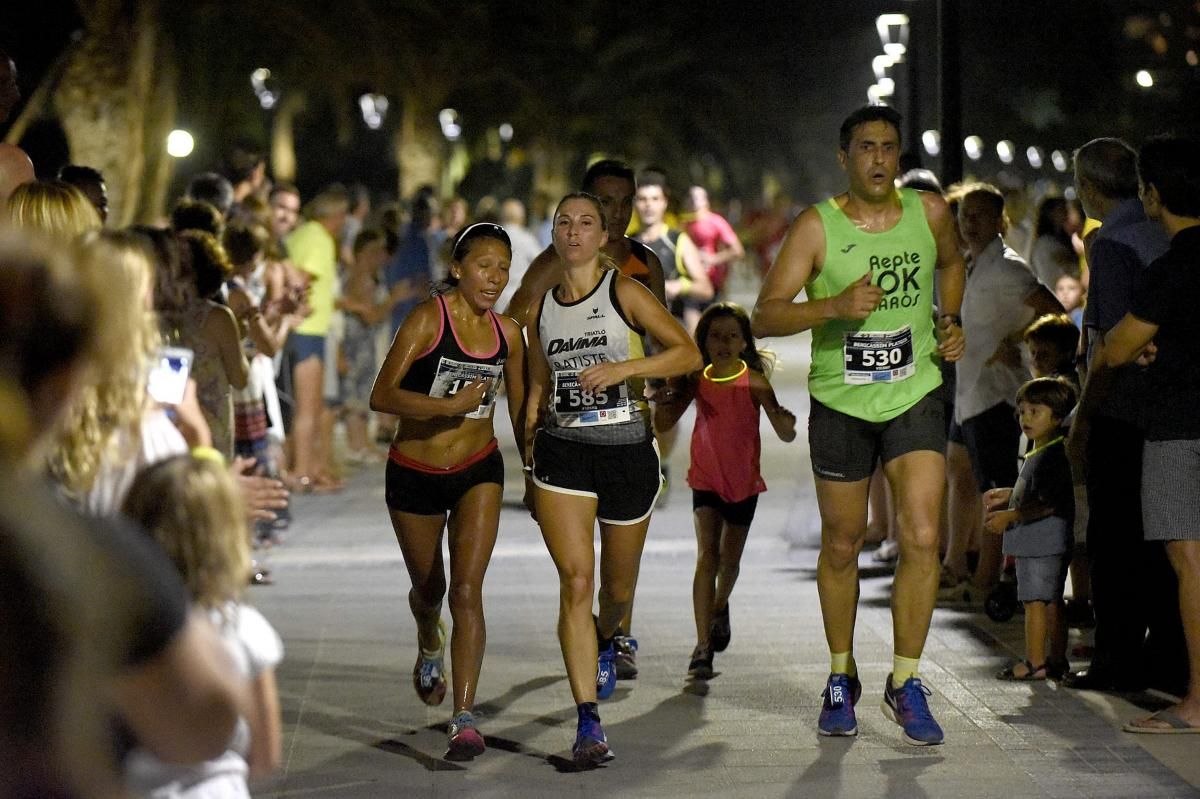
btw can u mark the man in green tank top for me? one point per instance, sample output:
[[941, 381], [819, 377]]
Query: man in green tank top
[[868, 261]]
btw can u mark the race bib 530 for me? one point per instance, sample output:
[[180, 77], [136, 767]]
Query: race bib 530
[[879, 357]]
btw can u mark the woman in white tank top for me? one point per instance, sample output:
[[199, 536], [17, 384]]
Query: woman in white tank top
[[593, 455]]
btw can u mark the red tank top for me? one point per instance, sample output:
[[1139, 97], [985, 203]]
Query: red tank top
[[725, 441]]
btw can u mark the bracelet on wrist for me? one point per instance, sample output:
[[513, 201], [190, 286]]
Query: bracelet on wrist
[[953, 317]]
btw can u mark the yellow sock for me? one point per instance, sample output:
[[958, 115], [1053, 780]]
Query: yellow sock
[[843, 663], [902, 669]]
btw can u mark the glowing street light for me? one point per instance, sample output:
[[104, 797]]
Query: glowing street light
[[1144, 78], [448, 118], [874, 96], [180, 144], [374, 107], [974, 147], [1034, 154], [1059, 159], [895, 47], [881, 64], [1004, 151], [932, 140], [887, 87], [506, 132], [267, 97]]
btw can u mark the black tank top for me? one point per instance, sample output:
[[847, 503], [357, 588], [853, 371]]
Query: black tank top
[[445, 366], [665, 247]]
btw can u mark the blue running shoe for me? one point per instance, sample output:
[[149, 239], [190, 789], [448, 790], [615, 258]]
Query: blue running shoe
[[429, 677], [837, 707], [606, 673], [591, 747], [907, 707]]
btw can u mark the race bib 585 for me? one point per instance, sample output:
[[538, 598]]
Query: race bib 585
[[575, 407]]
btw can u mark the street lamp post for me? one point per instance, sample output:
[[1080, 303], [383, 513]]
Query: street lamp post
[[895, 47], [950, 87]]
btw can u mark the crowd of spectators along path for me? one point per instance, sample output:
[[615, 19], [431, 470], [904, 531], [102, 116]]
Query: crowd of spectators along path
[[167, 386]]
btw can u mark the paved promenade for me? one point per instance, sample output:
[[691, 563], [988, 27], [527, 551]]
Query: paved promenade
[[353, 726]]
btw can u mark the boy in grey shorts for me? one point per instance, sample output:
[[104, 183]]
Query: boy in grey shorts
[[1036, 517]]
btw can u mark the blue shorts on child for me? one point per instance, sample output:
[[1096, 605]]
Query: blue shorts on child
[[1042, 549]]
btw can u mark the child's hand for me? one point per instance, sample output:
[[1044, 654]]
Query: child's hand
[[999, 521], [662, 395], [784, 422], [996, 498], [950, 339]]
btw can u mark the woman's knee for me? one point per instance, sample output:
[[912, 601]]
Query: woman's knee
[[577, 589], [465, 598]]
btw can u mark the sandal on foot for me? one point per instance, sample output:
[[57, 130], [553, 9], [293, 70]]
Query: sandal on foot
[[1164, 722], [1032, 673]]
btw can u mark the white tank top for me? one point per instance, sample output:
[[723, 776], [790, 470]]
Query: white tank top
[[580, 334]]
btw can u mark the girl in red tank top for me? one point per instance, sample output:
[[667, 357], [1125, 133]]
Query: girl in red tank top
[[724, 475]]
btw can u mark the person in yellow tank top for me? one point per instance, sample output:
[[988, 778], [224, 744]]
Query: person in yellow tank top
[[868, 260]]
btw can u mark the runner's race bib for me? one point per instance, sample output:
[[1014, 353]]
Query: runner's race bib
[[877, 357], [452, 375], [574, 407]]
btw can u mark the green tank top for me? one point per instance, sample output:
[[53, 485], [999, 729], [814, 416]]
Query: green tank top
[[877, 368]]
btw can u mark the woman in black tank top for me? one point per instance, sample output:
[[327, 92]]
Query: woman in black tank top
[[444, 469]]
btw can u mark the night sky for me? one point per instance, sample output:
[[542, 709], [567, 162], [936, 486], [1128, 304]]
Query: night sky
[[769, 82]]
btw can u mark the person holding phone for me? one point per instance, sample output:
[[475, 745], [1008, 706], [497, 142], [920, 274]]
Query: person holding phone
[[444, 469]]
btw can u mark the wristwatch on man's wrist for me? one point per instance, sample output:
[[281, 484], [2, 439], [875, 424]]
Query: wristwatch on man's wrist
[[953, 317]]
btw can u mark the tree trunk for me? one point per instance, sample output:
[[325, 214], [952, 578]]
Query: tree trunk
[[550, 164], [283, 137], [419, 146], [160, 167], [106, 88]]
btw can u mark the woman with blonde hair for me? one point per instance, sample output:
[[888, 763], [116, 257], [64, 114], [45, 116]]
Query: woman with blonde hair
[[53, 208], [93, 620], [592, 455], [113, 428], [190, 505]]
